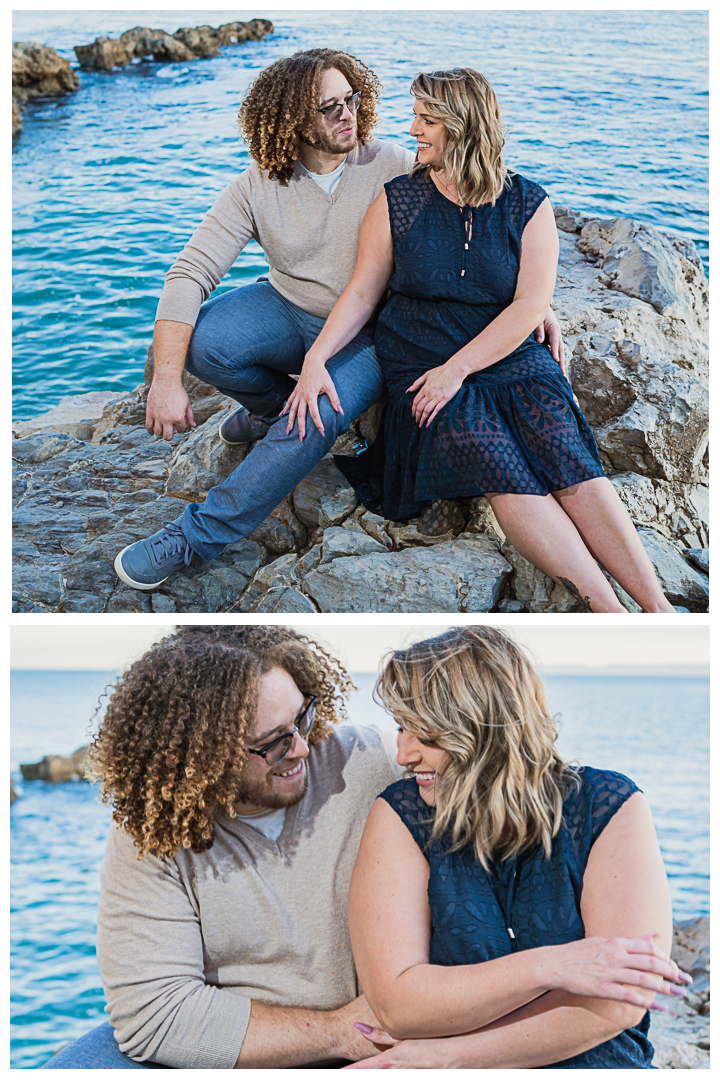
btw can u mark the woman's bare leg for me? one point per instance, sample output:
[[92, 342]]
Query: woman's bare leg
[[538, 527], [606, 527]]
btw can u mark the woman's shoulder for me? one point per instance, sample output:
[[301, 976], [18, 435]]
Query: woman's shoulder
[[402, 793], [592, 801], [524, 196], [404, 798], [405, 182], [524, 184]]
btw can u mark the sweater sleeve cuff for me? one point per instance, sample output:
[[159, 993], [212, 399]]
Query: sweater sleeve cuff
[[218, 1043], [180, 301]]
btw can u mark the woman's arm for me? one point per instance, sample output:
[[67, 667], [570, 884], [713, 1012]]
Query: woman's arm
[[533, 292], [390, 932], [355, 306], [625, 892]]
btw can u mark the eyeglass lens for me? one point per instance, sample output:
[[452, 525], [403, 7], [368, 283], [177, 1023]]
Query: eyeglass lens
[[282, 748], [334, 112]]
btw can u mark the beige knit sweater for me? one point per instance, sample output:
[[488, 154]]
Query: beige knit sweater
[[185, 944], [310, 238]]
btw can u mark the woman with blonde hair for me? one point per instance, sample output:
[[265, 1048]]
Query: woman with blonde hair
[[506, 910], [477, 406]]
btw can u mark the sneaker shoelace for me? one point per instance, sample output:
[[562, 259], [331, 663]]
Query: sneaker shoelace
[[172, 542]]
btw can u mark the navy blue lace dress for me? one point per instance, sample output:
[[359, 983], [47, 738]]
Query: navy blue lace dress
[[513, 427], [539, 899]]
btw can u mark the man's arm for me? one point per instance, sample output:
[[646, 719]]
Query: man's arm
[[213, 248], [168, 405], [283, 1038], [151, 954]]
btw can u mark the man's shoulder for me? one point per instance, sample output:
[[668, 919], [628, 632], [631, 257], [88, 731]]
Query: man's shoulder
[[357, 749], [385, 155]]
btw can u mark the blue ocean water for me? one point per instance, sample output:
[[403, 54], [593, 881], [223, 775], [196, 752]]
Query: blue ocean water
[[606, 109], [656, 730]]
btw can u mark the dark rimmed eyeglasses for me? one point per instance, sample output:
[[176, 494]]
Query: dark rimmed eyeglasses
[[279, 748], [334, 112]]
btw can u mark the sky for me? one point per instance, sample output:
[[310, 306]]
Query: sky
[[590, 647]]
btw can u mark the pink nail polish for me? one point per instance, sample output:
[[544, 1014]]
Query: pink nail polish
[[364, 1028]]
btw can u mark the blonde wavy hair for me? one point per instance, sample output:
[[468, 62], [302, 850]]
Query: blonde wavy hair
[[171, 746], [464, 102], [473, 693]]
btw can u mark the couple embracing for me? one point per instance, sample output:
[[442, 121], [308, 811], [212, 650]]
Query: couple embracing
[[283, 891], [463, 252]]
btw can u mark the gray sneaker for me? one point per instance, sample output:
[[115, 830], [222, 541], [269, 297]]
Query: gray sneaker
[[243, 427], [147, 563]]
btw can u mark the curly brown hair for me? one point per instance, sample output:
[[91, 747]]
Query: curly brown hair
[[171, 745], [279, 108]]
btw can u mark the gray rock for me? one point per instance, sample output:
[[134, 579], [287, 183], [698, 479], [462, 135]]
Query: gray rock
[[642, 262], [35, 449], [201, 461], [535, 590], [699, 558], [375, 526], [37, 588], [281, 532], [281, 573], [77, 416], [126, 600], [465, 575], [509, 607], [286, 600], [339, 542], [680, 582], [324, 497], [669, 508]]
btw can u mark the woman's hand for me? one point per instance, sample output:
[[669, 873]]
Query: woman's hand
[[550, 331], [435, 388], [314, 380], [406, 1054], [610, 967]]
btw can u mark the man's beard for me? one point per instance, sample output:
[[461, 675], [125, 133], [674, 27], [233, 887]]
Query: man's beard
[[263, 793], [319, 140]]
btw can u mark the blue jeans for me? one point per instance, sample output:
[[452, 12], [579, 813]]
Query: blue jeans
[[99, 1050], [246, 343]]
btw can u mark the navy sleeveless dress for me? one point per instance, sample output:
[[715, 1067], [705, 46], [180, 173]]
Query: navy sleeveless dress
[[538, 898], [513, 427]]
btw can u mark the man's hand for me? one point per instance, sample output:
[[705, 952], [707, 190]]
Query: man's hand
[[168, 409], [314, 380], [551, 331]]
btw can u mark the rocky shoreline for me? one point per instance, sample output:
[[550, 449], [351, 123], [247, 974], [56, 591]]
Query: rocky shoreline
[[633, 305], [39, 71]]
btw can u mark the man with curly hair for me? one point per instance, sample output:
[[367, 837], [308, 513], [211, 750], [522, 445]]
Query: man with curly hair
[[238, 807], [316, 169]]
